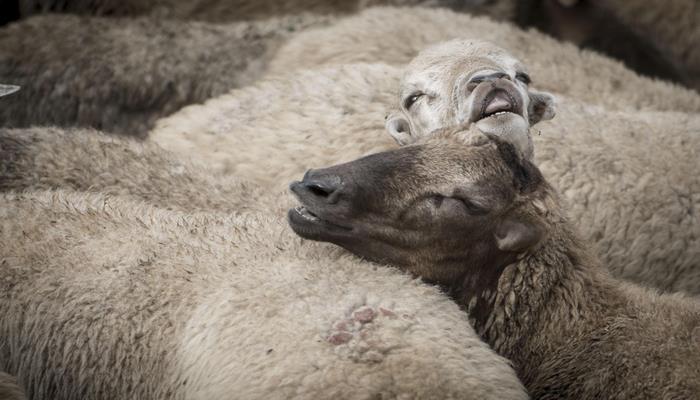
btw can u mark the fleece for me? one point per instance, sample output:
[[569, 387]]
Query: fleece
[[43, 158], [235, 10], [204, 306], [672, 25], [554, 66], [121, 75], [9, 389], [628, 170]]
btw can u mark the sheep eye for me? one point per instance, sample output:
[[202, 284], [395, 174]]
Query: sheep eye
[[473, 208], [411, 99], [523, 77]]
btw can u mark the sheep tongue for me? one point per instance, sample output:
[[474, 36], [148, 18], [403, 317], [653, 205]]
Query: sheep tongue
[[500, 102]]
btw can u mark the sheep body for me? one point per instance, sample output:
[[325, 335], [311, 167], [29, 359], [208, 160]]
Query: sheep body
[[9, 389], [635, 199], [571, 329], [203, 306], [121, 75], [45, 158], [222, 11], [554, 66], [672, 25], [271, 130], [514, 262]]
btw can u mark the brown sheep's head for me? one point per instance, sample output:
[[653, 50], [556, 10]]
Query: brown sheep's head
[[454, 199], [462, 82]]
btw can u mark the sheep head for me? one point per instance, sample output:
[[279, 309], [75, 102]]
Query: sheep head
[[452, 203], [466, 81]]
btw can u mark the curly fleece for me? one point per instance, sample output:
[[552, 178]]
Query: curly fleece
[[633, 185], [213, 306]]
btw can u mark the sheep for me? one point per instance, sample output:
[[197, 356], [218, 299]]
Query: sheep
[[467, 81], [226, 10], [672, 25], [120, 76], [194, 306], [44, 158], [470, 214], [592, 25], [667, 269], [9, 389], [557, 67], [610, 176], [264, 132]]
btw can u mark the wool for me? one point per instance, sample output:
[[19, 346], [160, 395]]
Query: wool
[[513, 261], [9, 389], [557, 67], [573, 331], [672, 26], [43, 158], [192, 306], [120, 75], [226, 10], [271, 131], [630, 184]]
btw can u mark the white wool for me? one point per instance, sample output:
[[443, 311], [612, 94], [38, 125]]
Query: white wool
[[623, 149], [203, 306]]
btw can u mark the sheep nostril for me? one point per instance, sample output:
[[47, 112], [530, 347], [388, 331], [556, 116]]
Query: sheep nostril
[[319, 190], [476, 80], [322, 186]]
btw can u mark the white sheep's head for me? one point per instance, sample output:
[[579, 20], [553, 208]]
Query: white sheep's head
[[462, 82]]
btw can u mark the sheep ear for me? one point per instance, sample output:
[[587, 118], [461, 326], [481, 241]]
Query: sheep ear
[[515, 236], [542, 107], [398, 127], [7, 89]]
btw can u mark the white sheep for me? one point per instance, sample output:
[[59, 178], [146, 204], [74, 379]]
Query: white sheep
[[396, 35], [227, 10], [121, 75], [105, 297], [47, 158], [630, 175]]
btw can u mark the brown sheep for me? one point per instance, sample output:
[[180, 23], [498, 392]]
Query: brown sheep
[[607, 168], [470, 215]]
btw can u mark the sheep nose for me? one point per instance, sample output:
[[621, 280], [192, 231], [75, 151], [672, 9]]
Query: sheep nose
[[325, 187], [488, 78]]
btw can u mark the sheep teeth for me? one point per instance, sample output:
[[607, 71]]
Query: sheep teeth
[[306, 214]]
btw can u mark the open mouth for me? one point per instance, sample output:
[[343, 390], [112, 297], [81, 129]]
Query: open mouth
[[498, 102], [306, 214], [309, 225]]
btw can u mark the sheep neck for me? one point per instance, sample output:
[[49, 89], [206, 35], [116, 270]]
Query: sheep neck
[[532, 304]]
